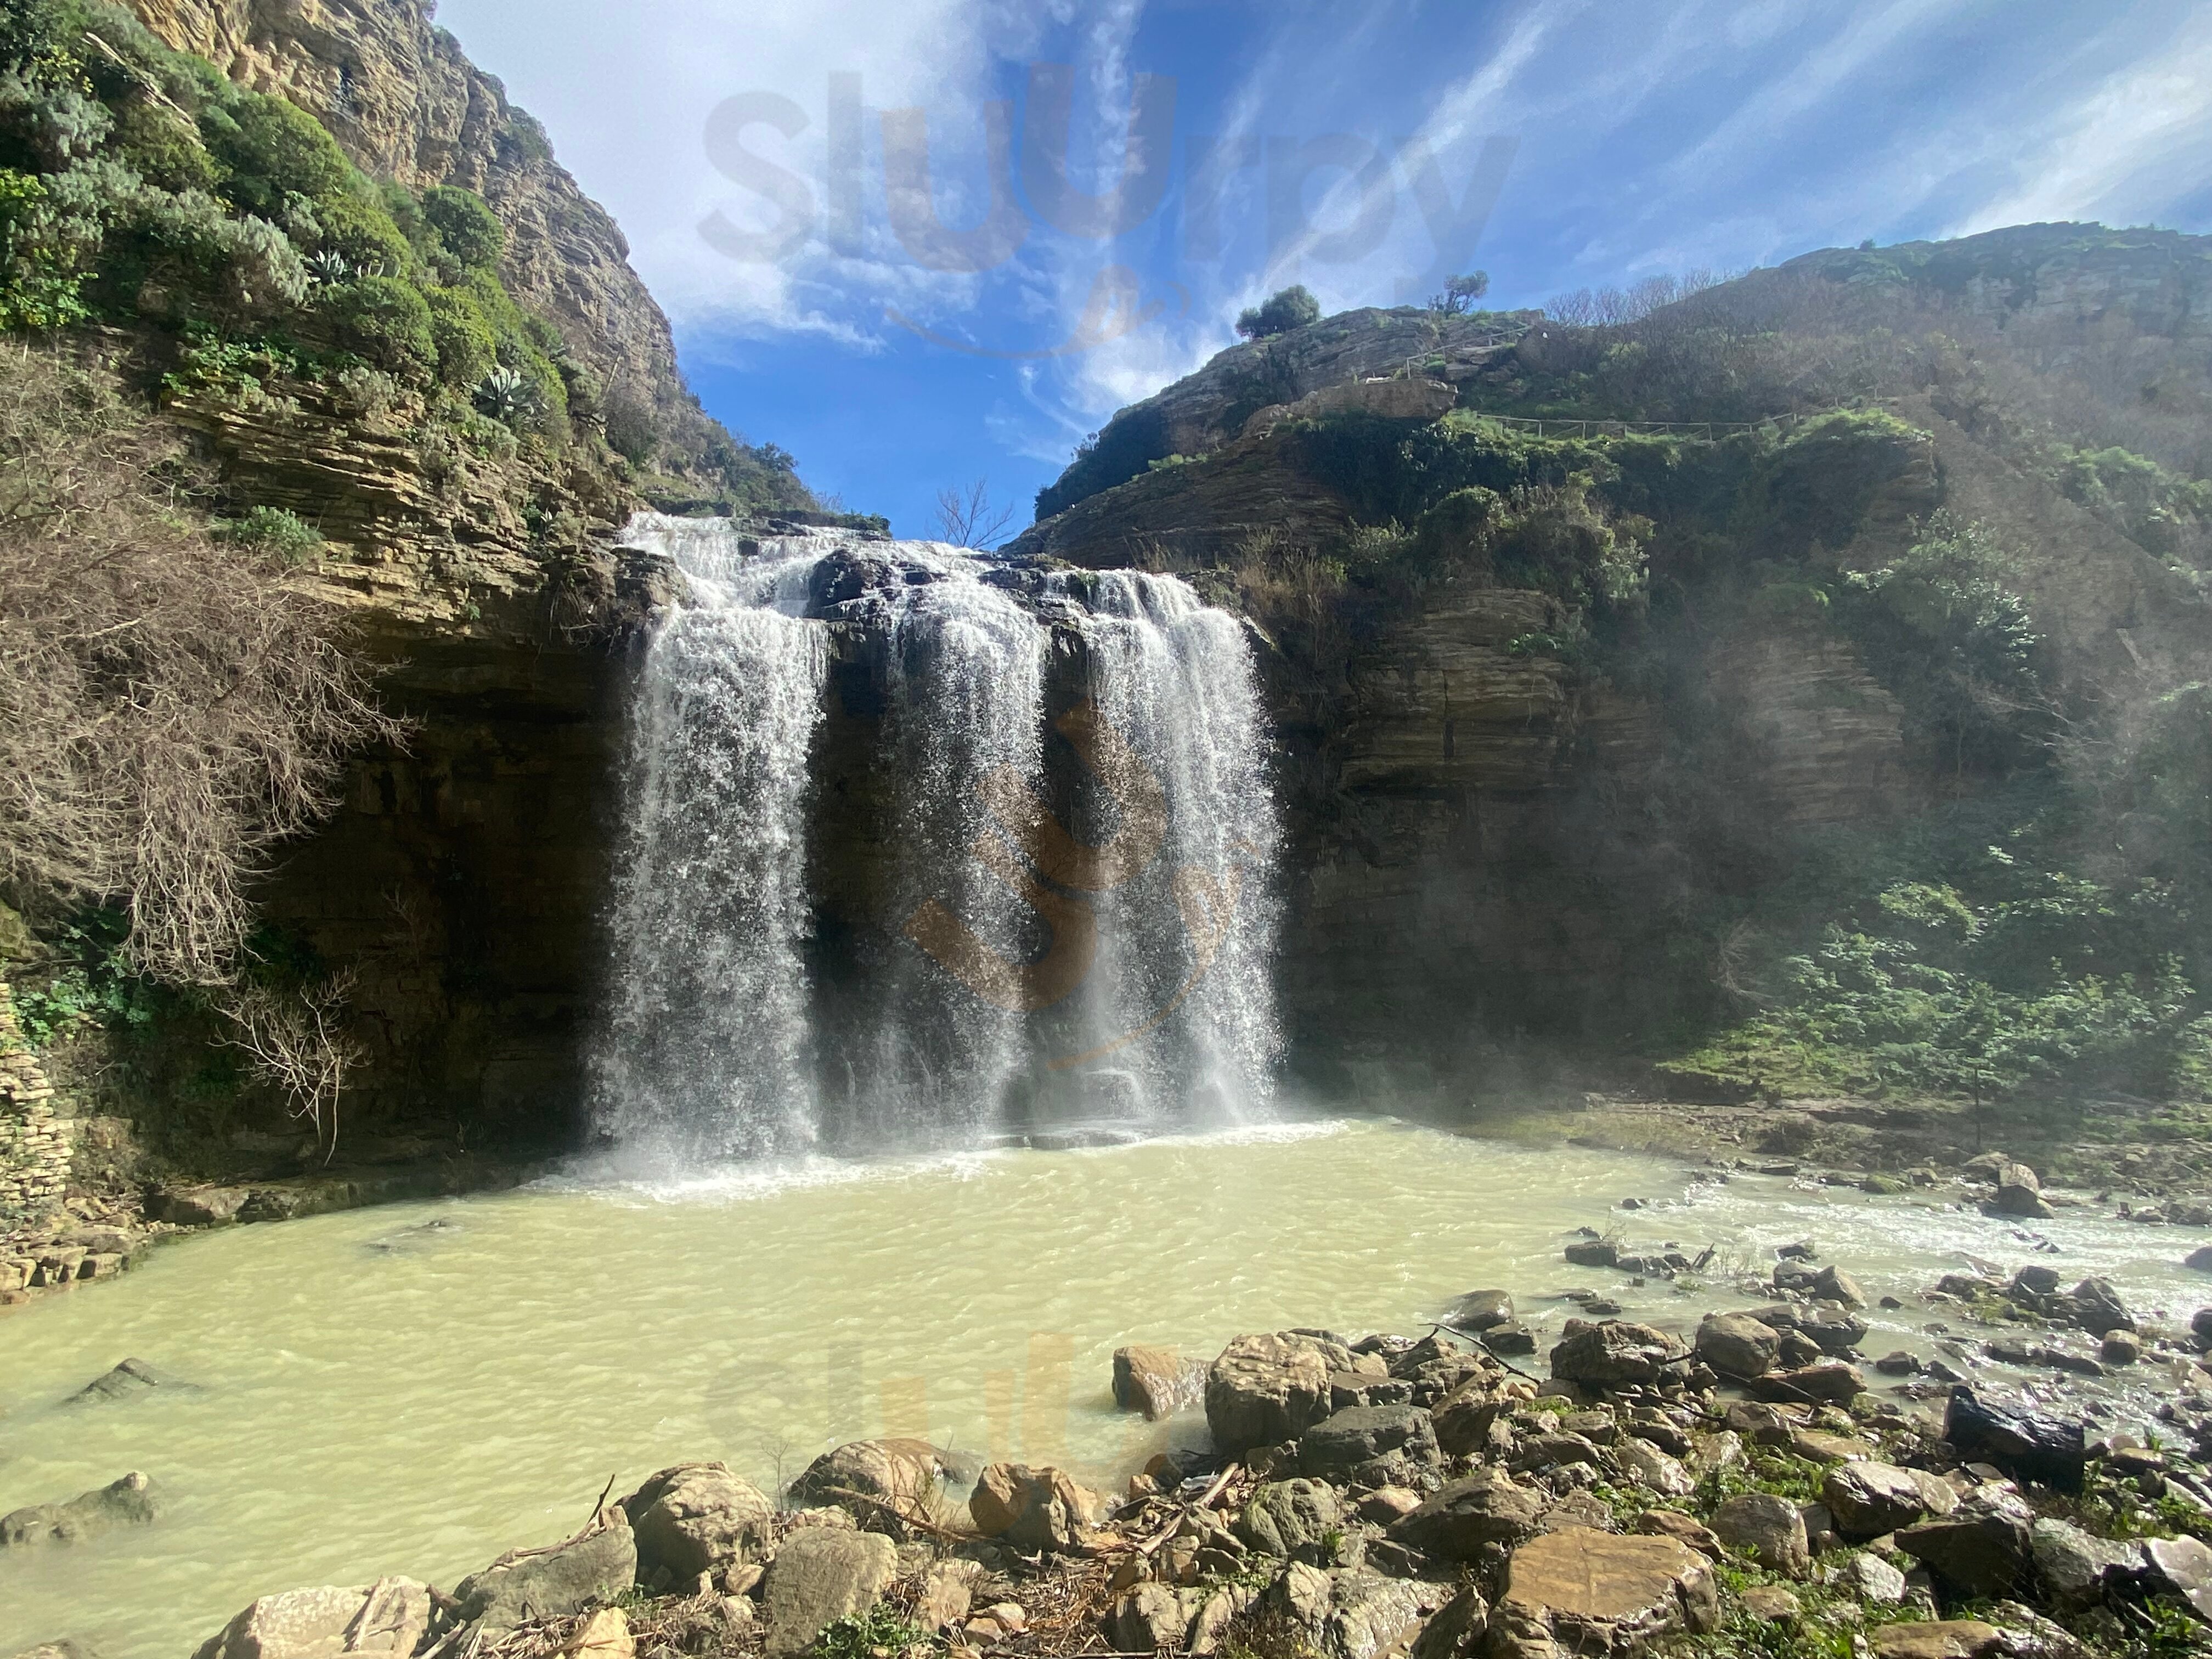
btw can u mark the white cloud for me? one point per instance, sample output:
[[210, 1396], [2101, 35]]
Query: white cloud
[[2132, 145]]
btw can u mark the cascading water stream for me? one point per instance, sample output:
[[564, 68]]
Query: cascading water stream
[[1051, 929]]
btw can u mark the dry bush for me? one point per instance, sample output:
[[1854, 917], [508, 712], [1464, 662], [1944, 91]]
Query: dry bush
[[295, 1041], [170, 708]]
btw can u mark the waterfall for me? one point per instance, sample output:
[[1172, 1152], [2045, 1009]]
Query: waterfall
[[706, 1050], [922, 848]]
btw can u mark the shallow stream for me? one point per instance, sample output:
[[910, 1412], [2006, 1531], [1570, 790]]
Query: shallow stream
[[417, 1389]]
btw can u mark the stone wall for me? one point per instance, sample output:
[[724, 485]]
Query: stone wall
[[34, 1143]]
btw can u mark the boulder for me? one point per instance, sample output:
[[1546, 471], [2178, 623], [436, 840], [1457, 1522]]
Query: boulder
[[1829, 1382], [1151, 1619], [1210, 1630], [2023, 1445], [2199, 1259], [1487, 1507], [1672, 1523], [2120, 1348], [2020, 1193], [1286, 1517], [596, 1567], [388, 1616], [1613, 1352], [1870, 1578], [1869, 1499], [1592, 1253], [1584, 1592], [1266, 1389], [1834, 1284], [1157, 1381], [1304, 1592], [1373, 1614], [2075, 1567], [877, 1482], [1769, 1529], [2098, 1308], [1976, 1553], [1457, 1631], [129, 1501], [1771, 1604], [2181, 1566], [197, 1206], [1653, 1469], [1948, 1639], [1032, 1509], [822, 1575], [692, 1518], [126, 1381], [1480, 1311], [1736, 1344], [1343, 1443]]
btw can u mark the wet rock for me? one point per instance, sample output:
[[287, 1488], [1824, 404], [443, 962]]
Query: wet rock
[[1286, 1516], [595, 1568], [1829, 1382], [1950, 1638], [1157, 1381], [197, 1206], [1869, 1499], [388, 1616], [2200, 1259], [1613, 1352], [2024, 1446], [2020, 1193], [697, 1518], [1032, 1509], [1897, 1363], [1870, 1578], [2033, 1283], [1267, 1389], [877, 1482], [1592, 1253], [1350, 1389], [2120, 1348], [2097, 1308], [128, 1380], [1591, 1593], [1487, 1507], [1149, 1619], [1769, 1529], [1511, 1338], [1834, 1284], [820, 1575], [1978, 1552], [1684, 1528], [129, 1501], [1833, 1328], [1480, 1311], [2073, 1566], [1398, 1436], [1735, 1345]]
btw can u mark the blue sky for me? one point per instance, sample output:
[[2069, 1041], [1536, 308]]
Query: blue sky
[[899, 339]]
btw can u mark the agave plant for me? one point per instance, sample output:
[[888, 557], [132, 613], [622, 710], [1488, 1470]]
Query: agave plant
[[330, 267], [509, 395]]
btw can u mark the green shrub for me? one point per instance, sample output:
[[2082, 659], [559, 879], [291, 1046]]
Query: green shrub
[[387, 321], [265, 149], [466, 348], [471, 232], [161, 148], [281, 534], [1280, 313], [41, 277]]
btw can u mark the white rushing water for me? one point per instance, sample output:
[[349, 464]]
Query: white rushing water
[[1016, 969]]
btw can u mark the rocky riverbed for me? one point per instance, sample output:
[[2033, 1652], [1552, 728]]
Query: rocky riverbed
[[1735, 1488]]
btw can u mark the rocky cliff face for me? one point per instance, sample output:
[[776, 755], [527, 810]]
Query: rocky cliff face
[[397, 94]]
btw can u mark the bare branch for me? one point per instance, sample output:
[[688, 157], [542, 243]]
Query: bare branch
[[968, 519]]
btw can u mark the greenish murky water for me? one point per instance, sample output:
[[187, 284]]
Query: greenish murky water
[[417, 1389]]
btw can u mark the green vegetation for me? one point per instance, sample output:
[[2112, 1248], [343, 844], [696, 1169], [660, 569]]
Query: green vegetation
[[884, 1628], [141, 189], [281, 534], [1279, 313]]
